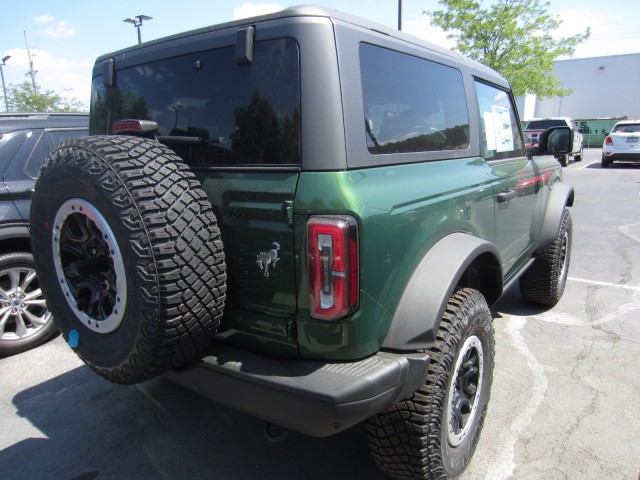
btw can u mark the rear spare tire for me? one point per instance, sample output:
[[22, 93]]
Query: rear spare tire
[[129, 255]]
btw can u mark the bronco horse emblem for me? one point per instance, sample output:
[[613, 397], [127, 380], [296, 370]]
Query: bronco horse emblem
[[264, 259]]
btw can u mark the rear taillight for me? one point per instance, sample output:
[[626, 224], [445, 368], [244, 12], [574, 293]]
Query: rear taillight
[[608, 141], [333, 266], [134, 127]]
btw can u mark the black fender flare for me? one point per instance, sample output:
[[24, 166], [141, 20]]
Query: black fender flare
[[417, 317], [561, 196]]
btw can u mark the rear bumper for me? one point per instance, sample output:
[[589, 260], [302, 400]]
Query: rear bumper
[[312, 397], [635, 156]]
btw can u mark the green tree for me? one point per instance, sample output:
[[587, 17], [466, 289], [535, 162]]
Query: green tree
[[23, 98], [514, 37]]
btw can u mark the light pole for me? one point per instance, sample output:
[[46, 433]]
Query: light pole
[[137, 22], [4, 87]]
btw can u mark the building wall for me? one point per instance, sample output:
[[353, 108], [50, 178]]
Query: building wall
[[603, 87]]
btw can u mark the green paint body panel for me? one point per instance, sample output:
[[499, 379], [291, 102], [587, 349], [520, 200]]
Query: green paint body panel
[[401, 210]]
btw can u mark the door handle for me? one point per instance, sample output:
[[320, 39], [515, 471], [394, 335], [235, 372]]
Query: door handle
[[506, 196]]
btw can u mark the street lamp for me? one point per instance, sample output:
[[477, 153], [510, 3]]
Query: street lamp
[[4, 87], [137, 22]]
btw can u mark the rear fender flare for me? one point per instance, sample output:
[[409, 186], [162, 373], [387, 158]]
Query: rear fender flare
[[446, 266]]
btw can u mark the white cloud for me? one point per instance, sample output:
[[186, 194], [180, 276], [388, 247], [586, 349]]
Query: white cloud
[[422, 28], [46, 18], [248, 9], [66, 78], [611, 33], [61, 29]]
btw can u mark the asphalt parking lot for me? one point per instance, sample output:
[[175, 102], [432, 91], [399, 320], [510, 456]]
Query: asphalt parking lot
[[565, 401]]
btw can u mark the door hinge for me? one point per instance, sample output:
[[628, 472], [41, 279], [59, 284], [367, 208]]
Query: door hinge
[[288, 211]]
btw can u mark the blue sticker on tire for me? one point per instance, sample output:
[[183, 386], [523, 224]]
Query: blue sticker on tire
[[73, 338]]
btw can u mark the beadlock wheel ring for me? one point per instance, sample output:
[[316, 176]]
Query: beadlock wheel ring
[[564, 259], [89, 266], [464, 391]]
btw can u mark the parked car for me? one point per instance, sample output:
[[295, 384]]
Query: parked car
[[25, 141], [622, 143], [305, 216], [538, 125]]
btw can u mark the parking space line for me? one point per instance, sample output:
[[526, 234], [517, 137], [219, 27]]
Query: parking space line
[[604, 284], [588, 165]]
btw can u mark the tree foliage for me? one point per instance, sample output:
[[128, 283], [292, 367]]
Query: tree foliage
[[513, 37], [23, 98]]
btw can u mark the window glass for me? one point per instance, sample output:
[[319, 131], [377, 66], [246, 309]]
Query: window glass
[[500, 133], [9, 145], [211, 110], [544, 124], [411, 104], [626, 128], [44, 146]]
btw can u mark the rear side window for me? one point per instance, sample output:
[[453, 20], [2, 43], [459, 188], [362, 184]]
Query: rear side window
[[411, 104], [210, 110], [50, 139], [501, 136]]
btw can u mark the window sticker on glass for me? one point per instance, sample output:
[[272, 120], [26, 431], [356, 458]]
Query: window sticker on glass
[[502, 128], [489, 131]]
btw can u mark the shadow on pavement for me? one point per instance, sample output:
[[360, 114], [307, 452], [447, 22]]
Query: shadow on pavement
[[158, 430]]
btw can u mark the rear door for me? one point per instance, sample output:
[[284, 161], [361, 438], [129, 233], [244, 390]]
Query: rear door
[[236, 121]]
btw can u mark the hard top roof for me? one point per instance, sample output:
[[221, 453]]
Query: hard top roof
[[318, 11]]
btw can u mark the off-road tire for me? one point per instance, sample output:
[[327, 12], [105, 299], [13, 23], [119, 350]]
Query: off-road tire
[[411, 439], [25, 321], [578, 156], [563, 160], [543, 283], [129, 255]]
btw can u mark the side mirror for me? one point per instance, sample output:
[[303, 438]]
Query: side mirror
[[556, 141], [553, 141]]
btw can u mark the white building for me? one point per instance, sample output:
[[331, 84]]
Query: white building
[[603, 87]]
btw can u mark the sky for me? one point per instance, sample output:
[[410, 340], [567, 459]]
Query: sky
[[65, 37]]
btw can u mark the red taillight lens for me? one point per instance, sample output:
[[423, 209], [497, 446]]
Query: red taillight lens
[[608, 141], [134, 126], [333, 266]]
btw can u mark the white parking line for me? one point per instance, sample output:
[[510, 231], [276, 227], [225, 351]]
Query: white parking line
[[588, 165], [504, 465], [604, 284]]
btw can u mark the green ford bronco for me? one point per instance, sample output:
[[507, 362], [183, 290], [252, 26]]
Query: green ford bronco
[[306, 217]]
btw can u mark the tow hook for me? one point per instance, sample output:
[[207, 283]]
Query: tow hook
[[275, 433]]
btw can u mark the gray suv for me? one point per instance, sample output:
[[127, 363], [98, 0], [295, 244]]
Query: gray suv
[[25, 141]]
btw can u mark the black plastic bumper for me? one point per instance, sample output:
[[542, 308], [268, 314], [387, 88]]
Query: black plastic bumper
[[308, 396]]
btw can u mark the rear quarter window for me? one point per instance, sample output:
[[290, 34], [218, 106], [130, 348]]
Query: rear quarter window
[[411, 104]]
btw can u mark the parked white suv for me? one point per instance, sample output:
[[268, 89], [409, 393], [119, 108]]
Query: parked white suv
[[623, 143], [538, 125]]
